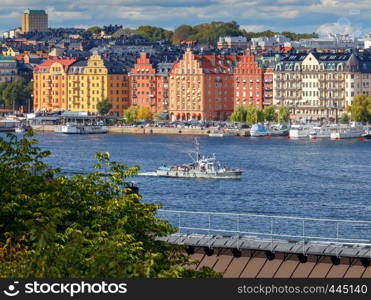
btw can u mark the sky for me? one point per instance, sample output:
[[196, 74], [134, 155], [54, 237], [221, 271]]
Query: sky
[[321, 16]]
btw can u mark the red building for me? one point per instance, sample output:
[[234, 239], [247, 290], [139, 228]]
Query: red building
[[143, 83], [253, 80], [149, 85]]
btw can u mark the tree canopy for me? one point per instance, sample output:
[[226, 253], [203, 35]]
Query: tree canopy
[[86, 225], [361, 109], [103, 107], [206, 33], [16, 93], [131, 114]]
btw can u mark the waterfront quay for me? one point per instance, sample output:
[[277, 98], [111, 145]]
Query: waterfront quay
[[151, 130]]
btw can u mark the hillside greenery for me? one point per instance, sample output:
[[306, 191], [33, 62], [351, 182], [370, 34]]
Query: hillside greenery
[[206, 33]]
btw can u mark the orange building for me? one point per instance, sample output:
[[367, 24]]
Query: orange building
[[201, 87], [253, 81], [50, 84]]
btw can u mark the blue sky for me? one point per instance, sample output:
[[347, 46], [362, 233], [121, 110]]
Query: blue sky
[[323, 16]]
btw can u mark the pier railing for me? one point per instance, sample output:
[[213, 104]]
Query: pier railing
[[268, 227]]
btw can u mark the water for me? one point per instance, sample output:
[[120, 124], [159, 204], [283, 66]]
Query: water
[[282, 177]]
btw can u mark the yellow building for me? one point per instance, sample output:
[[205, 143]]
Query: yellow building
[[78, 85], [97, 79], [34, 20]]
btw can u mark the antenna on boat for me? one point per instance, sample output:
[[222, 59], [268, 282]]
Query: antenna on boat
[[197, 147]]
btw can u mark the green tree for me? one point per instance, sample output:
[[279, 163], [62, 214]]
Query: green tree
[[94, 30], [144, 113], [152, 33], [103, 107], [361, 109], [270, 113], [254, 114], [17, 93], [283, 114], [183, 32], [2, 88], [131, 114], [344, 119], [90, 225], [239, 115]]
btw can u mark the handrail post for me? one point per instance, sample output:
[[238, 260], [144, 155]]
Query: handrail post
[[209, 223], [179, 222], [238, 232], [337, 239], [271, 234], [303, 237]]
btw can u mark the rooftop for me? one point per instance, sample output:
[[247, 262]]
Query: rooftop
[[34, 11]]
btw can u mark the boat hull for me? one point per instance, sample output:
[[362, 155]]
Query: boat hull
[[83, 129], [206, 175]]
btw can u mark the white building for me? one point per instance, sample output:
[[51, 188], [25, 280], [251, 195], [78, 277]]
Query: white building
[[319, 86]]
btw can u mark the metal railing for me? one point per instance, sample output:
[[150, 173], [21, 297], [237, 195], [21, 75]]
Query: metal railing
[[295, 229]]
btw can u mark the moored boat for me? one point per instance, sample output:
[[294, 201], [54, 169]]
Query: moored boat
[[81, 129], [348, 132], [321, 132], [300, 130], [221, 134], [258, 130]]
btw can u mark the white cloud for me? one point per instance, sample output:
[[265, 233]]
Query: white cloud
[[254, 28], [342, 26]]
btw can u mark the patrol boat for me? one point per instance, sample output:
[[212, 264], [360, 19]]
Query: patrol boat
[[202, 167]]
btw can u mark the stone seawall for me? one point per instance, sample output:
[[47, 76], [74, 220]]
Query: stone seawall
[[147, 130]]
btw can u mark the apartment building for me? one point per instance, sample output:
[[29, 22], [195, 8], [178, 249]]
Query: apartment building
[[51, 84], [201, 87], [8, 68], [253, 80], [318, 86], [98, 79], [34, 20], [78, 85], [149, 84]]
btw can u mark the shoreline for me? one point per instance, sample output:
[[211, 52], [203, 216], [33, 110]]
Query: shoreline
[[150, 130]]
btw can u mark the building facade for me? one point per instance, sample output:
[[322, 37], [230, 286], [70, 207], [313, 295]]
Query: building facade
[[8, 69], [143, 84], [238, 42], [319, 86], [34, 20], [253, 80], [201, 87], [149, 84], [97, 79], [50, 85], [78, 85]]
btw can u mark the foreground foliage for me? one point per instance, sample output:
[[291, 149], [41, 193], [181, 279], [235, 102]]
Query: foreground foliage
[[89, 225]]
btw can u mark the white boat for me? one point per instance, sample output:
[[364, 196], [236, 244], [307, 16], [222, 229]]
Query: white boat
[[348, 132], [367, 133], [278, 130], [258, 130], [202, 167], [322, 132], [300, 130], [82, 129], [221, 134], [22, 128]]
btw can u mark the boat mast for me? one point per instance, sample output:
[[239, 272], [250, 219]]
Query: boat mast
[[197, 147]]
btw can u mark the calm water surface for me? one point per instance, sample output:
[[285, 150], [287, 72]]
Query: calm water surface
[[304, 178]]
